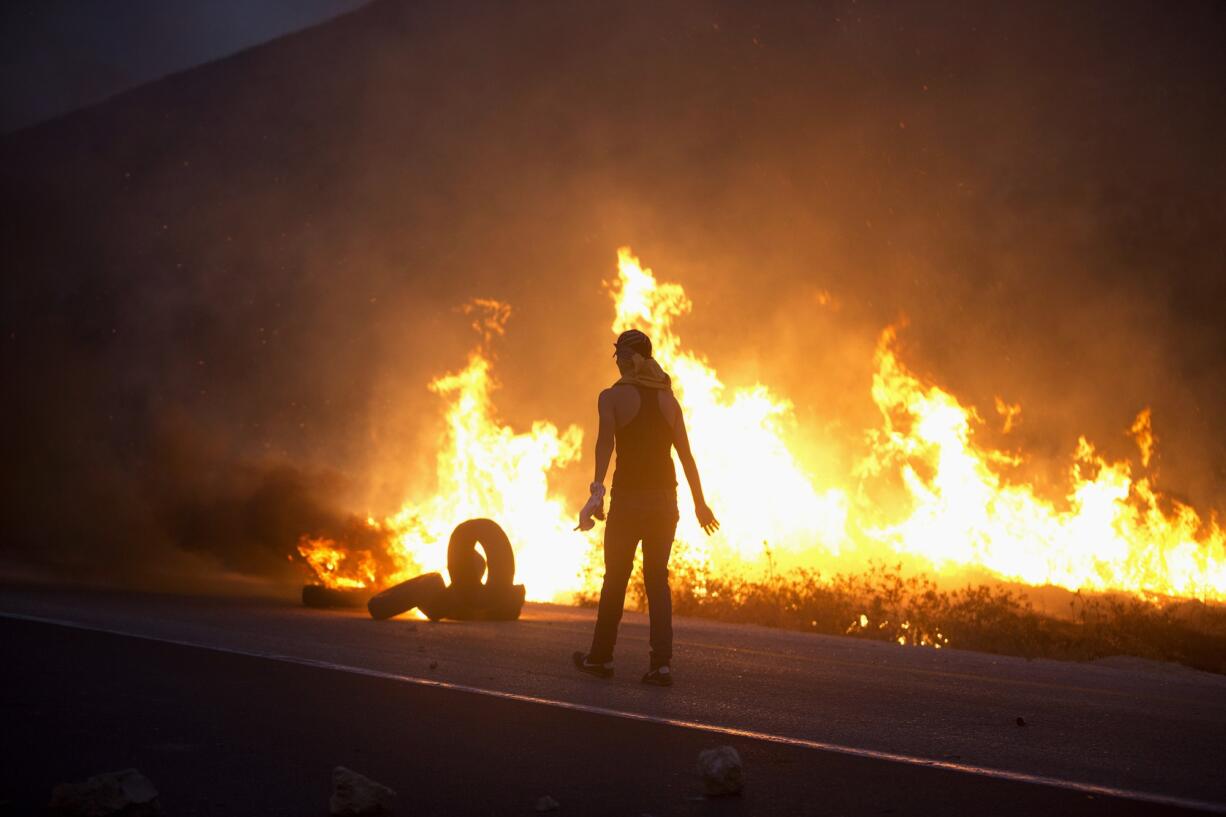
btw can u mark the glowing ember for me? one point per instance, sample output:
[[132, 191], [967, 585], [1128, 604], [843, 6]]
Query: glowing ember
[[957, 509]]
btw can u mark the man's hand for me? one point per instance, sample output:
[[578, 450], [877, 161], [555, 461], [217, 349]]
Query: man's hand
[[706, 518], [593, 508]]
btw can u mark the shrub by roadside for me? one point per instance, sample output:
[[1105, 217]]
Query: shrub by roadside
[[885, 605]]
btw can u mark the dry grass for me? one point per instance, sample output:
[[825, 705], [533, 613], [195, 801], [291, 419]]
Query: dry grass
[[884, 605]]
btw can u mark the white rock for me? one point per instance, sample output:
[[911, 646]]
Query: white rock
[[546, 803], [355, 796], [721, 770], [126, 792]]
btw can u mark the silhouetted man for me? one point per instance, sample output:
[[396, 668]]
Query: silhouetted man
[[640, 418]]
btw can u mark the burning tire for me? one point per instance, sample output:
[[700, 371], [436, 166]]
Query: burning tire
[[316, 595], [416, 592], [498, 555]]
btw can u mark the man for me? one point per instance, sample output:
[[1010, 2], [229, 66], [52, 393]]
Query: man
[[640, 419]]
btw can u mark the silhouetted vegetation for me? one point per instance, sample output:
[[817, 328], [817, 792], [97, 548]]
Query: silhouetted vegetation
[[883, 604]]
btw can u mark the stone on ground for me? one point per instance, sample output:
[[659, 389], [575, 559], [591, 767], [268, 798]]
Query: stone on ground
[[126, 793], [721, 770], [354, 795], [546, 803]]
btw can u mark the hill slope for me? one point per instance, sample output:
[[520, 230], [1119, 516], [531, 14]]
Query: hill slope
[[225, 290]]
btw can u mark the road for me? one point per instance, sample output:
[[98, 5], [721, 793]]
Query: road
[[243, 705]]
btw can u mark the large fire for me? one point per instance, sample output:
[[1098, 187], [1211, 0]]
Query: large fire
[[483, 469], [958, 510]]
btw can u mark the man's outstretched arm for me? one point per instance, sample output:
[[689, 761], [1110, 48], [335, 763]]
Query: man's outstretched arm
[[604, 452], [681, 441], [605, 436]]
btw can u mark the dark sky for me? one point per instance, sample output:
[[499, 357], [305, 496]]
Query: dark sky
[[60, 55]]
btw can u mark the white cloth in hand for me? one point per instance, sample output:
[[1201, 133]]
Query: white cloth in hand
[[593, 508]]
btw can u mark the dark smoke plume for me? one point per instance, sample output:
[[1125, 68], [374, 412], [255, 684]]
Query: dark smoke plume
[[225, 291]]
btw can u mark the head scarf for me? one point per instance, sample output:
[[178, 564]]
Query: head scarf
[[630, 341], [645, 372]]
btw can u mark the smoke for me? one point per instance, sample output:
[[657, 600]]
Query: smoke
[[177, 515], [228, 289]]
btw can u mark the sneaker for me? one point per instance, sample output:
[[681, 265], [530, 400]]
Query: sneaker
[[660, 676], [599, 670]]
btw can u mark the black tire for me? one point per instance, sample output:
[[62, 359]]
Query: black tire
[[478, 569], [318, 596], [440, 605], [507, 604], [482, 603], [498, 554], [403, 597]]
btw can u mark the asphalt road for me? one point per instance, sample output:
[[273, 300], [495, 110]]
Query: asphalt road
[[240, 706]]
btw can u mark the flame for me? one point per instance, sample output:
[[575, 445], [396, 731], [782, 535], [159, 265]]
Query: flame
[[484, 468], [1142, 431], [1010, 412], [1113, 535], [336, 565], [734, 433], [958, 509], [923, 490]]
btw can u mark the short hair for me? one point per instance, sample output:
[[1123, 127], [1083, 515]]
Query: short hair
[[632, 340]]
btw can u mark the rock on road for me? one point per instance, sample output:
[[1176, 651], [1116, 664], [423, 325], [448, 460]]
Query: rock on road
[[487, 717]]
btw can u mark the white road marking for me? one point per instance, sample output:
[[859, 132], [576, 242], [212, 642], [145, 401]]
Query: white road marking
[[893, 757]]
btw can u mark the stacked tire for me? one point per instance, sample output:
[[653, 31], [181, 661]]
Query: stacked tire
[[468, 597], [403, 597], [482, 603]]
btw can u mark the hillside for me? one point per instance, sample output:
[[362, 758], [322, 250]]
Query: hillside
[[226, 290]]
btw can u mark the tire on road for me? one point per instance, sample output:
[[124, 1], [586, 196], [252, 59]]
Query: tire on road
[[481, 603], [478, 568], [440, 605], [416, 592], [505, 604], [316, 595], [498, 554]]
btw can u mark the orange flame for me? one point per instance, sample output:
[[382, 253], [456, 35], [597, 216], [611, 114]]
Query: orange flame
[[778, 506], [1143, 432], [486, 469], [956, 508], [1114, 534], [338, 566]]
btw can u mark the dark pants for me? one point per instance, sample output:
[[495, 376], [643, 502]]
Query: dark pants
[[649, 517]]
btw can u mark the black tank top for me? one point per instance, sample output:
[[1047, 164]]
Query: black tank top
[[644, 448]]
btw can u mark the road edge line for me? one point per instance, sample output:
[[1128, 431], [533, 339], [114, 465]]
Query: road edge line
[[804, 743]]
